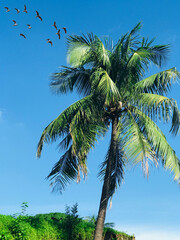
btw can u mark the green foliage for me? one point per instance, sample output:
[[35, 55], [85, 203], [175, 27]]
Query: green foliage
[[5, 235], [113, 83], [24, 207], [54, 226], [93, 220], [109, 232], [20, 229], [4, 227], [71, 222]]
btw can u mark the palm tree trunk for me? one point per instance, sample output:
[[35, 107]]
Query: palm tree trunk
[[106, 185]]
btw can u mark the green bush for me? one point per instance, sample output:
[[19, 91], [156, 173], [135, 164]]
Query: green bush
[[4, 227], [52, 226]]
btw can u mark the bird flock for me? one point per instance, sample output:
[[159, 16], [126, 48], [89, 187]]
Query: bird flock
[[41, 19]]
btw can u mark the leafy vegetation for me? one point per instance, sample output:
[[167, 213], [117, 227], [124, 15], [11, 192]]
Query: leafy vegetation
[[52, 226]]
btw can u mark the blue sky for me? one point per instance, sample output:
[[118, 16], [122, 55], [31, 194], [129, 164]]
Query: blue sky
[[148, 208]]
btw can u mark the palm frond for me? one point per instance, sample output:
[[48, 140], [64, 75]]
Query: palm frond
[[158, 142], [119, 58], [126, 41], [70, 78], [82, 51], [136, 146], [136, 65], [82, 137], [64, 171], [132, 41], [159, 54], [109, 225], [116, 63], [102, 83], [108, 43], [146, 43], [59, 126], [140, 56], [85, 129], [117, 162], [138, 62], [78, 49], [87, 40], [100, 54], [82, 131], [140, 59], [85, 133], [158, 106], [159, 83], [65, 142], [136, 29], [78, 55]]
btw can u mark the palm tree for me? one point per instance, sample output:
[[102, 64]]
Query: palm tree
[[117, 95]]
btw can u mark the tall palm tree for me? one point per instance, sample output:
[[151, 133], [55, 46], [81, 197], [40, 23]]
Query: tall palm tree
[[116, 96]]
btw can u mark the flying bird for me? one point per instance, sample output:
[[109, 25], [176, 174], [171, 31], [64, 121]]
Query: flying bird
[[7, 9], [17, 10], [58, 33], [49, 41], [25, 9], [22, 35], [54, 25], [64, 29], [29, 26], [38, 16], [15, 23]]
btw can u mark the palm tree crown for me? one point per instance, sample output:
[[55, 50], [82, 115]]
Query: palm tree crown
[[115, 93]]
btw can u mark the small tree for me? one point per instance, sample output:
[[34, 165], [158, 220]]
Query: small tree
[[71, 220], [19, 226]]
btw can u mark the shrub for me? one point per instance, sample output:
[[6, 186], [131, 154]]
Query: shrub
[[52, 226]]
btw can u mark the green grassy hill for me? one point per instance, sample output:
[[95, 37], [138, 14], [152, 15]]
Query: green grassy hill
[[52, 226]]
